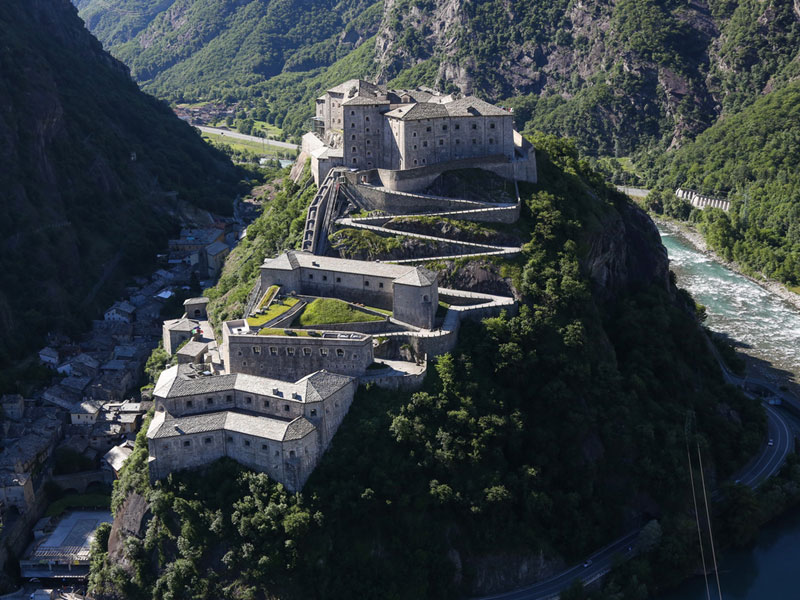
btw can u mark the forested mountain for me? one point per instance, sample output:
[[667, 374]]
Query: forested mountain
[[91, 170], [751, 157], [538, 439], [617, 76]]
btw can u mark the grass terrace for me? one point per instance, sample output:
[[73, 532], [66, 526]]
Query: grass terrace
[[276, 309], [325, 311], [288, 332]]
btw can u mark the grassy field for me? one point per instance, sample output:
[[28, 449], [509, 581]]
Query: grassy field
[[277, 308], [260, 148], [292, 332], [324, 311], [268, 129]]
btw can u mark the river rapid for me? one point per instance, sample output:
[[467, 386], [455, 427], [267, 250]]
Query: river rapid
[[769, 328]]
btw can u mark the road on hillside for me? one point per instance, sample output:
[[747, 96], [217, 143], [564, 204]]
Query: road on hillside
[[780, 429], [249, 138]]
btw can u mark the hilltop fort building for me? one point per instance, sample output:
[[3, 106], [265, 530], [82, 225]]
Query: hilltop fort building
[[364, 126]]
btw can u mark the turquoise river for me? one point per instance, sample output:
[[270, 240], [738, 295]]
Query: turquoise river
[[770, 328]]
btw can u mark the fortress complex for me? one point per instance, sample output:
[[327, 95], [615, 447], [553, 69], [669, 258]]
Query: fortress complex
[[364, 126], [410, 292], [276, 427]]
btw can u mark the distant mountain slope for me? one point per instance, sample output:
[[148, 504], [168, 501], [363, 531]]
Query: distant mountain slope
[[616, 76], [91, 170], [186, 48], [752, 158]]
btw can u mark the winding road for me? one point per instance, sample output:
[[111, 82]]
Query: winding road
[[781, 429]]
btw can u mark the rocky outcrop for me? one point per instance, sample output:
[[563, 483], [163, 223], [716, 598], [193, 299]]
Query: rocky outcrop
[[625, 253]]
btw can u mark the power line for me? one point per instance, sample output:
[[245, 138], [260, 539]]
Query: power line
[[708, 517], [697, 520]]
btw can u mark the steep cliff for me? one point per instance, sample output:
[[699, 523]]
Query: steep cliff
[[91, 171]]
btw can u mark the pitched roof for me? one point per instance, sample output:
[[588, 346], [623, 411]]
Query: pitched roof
[[262, 426], [193, 348], [364, 101], [472, 106], [182, 324], [216, 248], [418, 277], [421, 110], [198, 300], [294, 259], [183, 380]]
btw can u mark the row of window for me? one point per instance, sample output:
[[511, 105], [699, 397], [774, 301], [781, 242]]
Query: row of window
[[339, 279], [207, 441], [291, 351], [441, 143], [249, 401]]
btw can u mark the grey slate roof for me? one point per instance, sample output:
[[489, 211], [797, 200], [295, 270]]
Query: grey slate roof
[[261, 426], [472, 106], [364, 101], [421, 110], [181, 324], [418, 277], [176, 382], [216, 248], [198, 300], [193, 348], [294, 259], [463, 107]]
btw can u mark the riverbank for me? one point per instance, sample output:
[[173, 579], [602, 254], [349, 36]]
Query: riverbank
[[695, 238]]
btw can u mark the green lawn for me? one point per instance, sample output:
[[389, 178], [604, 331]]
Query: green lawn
[[272, 130], [261, 148], [324, 311], [277, 308], [273, 289], [292, 332]]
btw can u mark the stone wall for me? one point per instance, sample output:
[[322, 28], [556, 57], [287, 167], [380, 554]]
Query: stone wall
[[292, 357]]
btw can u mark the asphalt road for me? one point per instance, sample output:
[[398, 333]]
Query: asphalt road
[[249, 138], [602, 561], [780, 429]]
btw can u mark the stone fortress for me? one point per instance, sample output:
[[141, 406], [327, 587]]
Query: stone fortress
[[367, 127], [272, 393]]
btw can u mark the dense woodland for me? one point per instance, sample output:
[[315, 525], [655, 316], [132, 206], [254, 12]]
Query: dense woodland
[[93, 174], [548, 432]]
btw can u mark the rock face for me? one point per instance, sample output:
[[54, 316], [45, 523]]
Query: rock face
[[625, 254], [90, 170], [131, 520]]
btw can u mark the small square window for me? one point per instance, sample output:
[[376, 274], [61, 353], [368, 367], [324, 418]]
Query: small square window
[[207, 441], [427, 129], [266, 403], [491, 125], [415, 146], [247, 443], [414, 134], [352, 125], [366, 119], [311, 275], [256, 350], [424, 144], [285, 408], [313, 412], [264, 447], [248, 400], [188, 404], [338, 280], [306, 351], [273, 351], [323, 352], [474, 125], [474, 141], [290, 351], [209, 401], [366, 284], [458, 126], [340, 353], [230, 438], [352, 112], [380, 284], [444, 127], [187, 443], [228, 399], [367, 130], [324, 278], [441, 142]]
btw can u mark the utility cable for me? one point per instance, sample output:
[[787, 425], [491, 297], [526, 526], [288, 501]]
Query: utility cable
[[708, 516], [697, 520]]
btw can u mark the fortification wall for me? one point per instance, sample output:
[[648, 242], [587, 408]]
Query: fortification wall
[[418, 178], [290, 358]]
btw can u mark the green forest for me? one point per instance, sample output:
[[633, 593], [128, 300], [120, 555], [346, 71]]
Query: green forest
[[94, 173], [548, 432], [750, 158]]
